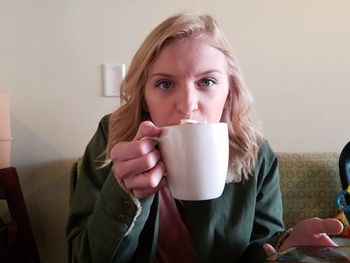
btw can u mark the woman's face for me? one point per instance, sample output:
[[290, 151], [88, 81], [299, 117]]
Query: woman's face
[[188, 80]]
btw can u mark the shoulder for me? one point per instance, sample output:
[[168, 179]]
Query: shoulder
[[98, 142], [103, 124], [266, 161], [265, 150]]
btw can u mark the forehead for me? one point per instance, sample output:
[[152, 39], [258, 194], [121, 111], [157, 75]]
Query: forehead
[[197, 52]]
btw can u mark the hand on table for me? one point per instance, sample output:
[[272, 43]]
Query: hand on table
[[309, 232]]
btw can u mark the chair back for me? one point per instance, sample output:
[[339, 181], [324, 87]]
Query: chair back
[[17, 243]]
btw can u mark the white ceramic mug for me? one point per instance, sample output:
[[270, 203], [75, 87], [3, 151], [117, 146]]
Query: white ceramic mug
[[196, 159]]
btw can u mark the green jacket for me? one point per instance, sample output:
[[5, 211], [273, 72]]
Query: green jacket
[[231, 228]]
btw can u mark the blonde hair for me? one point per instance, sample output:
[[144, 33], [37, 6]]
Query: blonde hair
[[124, 122]]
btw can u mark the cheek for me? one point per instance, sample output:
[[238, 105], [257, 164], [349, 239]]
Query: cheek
[[218, 108], [213, 111], [157, 109], [150, 101]]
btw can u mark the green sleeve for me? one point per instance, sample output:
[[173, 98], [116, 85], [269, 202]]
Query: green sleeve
[[268, 219], [104, 224]]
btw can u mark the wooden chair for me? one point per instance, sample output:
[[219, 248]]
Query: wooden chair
[[17, 243]]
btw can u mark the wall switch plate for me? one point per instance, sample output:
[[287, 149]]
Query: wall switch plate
[[113, 75]]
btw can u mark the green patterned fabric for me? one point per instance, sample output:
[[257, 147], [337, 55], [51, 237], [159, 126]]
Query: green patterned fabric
[[309, 185]]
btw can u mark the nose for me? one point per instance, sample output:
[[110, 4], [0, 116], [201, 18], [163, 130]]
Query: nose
[[187, 101]]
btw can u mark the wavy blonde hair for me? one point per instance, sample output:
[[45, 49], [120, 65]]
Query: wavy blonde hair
[[124, 122]]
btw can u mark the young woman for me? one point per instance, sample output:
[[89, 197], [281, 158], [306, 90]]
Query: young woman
[[122, 211]]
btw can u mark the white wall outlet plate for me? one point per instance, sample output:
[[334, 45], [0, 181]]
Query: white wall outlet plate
[[113, 75]]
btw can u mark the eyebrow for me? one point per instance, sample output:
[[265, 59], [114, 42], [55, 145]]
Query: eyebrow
[[160, 75], [165, 75]]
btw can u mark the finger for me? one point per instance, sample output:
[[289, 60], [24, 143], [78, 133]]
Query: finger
[[136, 166], [147, 129], [333, 226], [124, 151], [269, 250], [142, 193], [149, 179], [329, 226], [325, 240]]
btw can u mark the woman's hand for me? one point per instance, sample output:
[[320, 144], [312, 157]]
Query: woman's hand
[[309, 232], [137, 163]]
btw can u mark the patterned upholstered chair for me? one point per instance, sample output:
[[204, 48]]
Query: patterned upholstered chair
[[310, 183]]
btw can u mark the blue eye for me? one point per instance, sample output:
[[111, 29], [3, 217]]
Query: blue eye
[[164, 84], [206, 82]]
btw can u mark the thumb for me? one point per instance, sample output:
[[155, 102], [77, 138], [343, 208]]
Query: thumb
[[147, 129], [269, 250]]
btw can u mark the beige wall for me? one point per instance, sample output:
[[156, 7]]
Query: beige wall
[[295, 55]]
